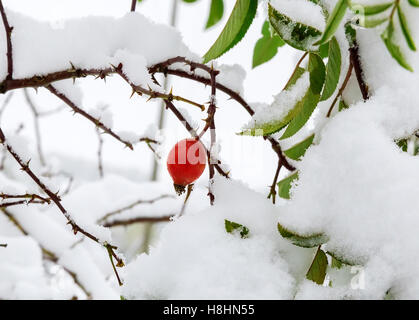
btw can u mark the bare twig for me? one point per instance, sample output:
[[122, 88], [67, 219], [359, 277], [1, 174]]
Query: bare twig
[[356, 63], [56, 199], [188, 193], [8, 31], [133, 5], [83, 113], [133, 205], [3, 245], [99, 152], [28, 196], [341, 89], [130, 221], [35, 114], [272, 192], [295, 69]]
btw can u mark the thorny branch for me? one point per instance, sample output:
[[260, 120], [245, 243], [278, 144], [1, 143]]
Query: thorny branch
[[57, 200]]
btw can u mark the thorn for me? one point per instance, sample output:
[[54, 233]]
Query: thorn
[[133, 92], [171, 91]]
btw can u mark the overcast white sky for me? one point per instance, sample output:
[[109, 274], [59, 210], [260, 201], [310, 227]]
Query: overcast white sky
[[251, 159]]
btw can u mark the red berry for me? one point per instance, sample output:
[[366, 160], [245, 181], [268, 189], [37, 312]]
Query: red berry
[[186, 162]]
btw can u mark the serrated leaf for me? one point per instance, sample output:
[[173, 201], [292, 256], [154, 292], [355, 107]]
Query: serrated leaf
[[414, 3], [306, 106], [334, 20], [369, 22], [296, 34], [233, 226], [298, 151], [236, 27], [266, 47], [310, 241], [371, 9], [317, 271], [216, 13], [393, 49], [284, 185], [405, 29], [332, 70]]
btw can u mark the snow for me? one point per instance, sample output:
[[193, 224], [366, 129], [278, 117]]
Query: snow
[[282, 104], [302, 11], [225, 268]]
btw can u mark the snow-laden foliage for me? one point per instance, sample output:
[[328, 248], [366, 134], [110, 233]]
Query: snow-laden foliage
[[339, 223]]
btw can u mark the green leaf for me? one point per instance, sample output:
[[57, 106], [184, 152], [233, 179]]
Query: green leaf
[[336, 264], [189, 1], [296, 34], [317, 271], [370, 10], [340, 260], [388, 38], [236, 27], [332, 70], [324, 50], [266, 47], [334, 20], [369, 22], [306, 106], [310, 241], [405, 28], [402, 143], [342, 105], [294, 78], [233, 226], [284, 185], [216, 13], [414, 3], [275, 126], [298, 151]]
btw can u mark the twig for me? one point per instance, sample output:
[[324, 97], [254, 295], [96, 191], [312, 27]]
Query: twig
[[272, 192], [133, 205], [6, 103], [30, 196], [341, 89], [210, 120], [155, 94], [3, 245], [99, 152], [356, 63], [56, 199], [126, 222], [8, 31], [188, 193], [133, 5], [16, 203], [36, 126], [295, 69], [92, 119]]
